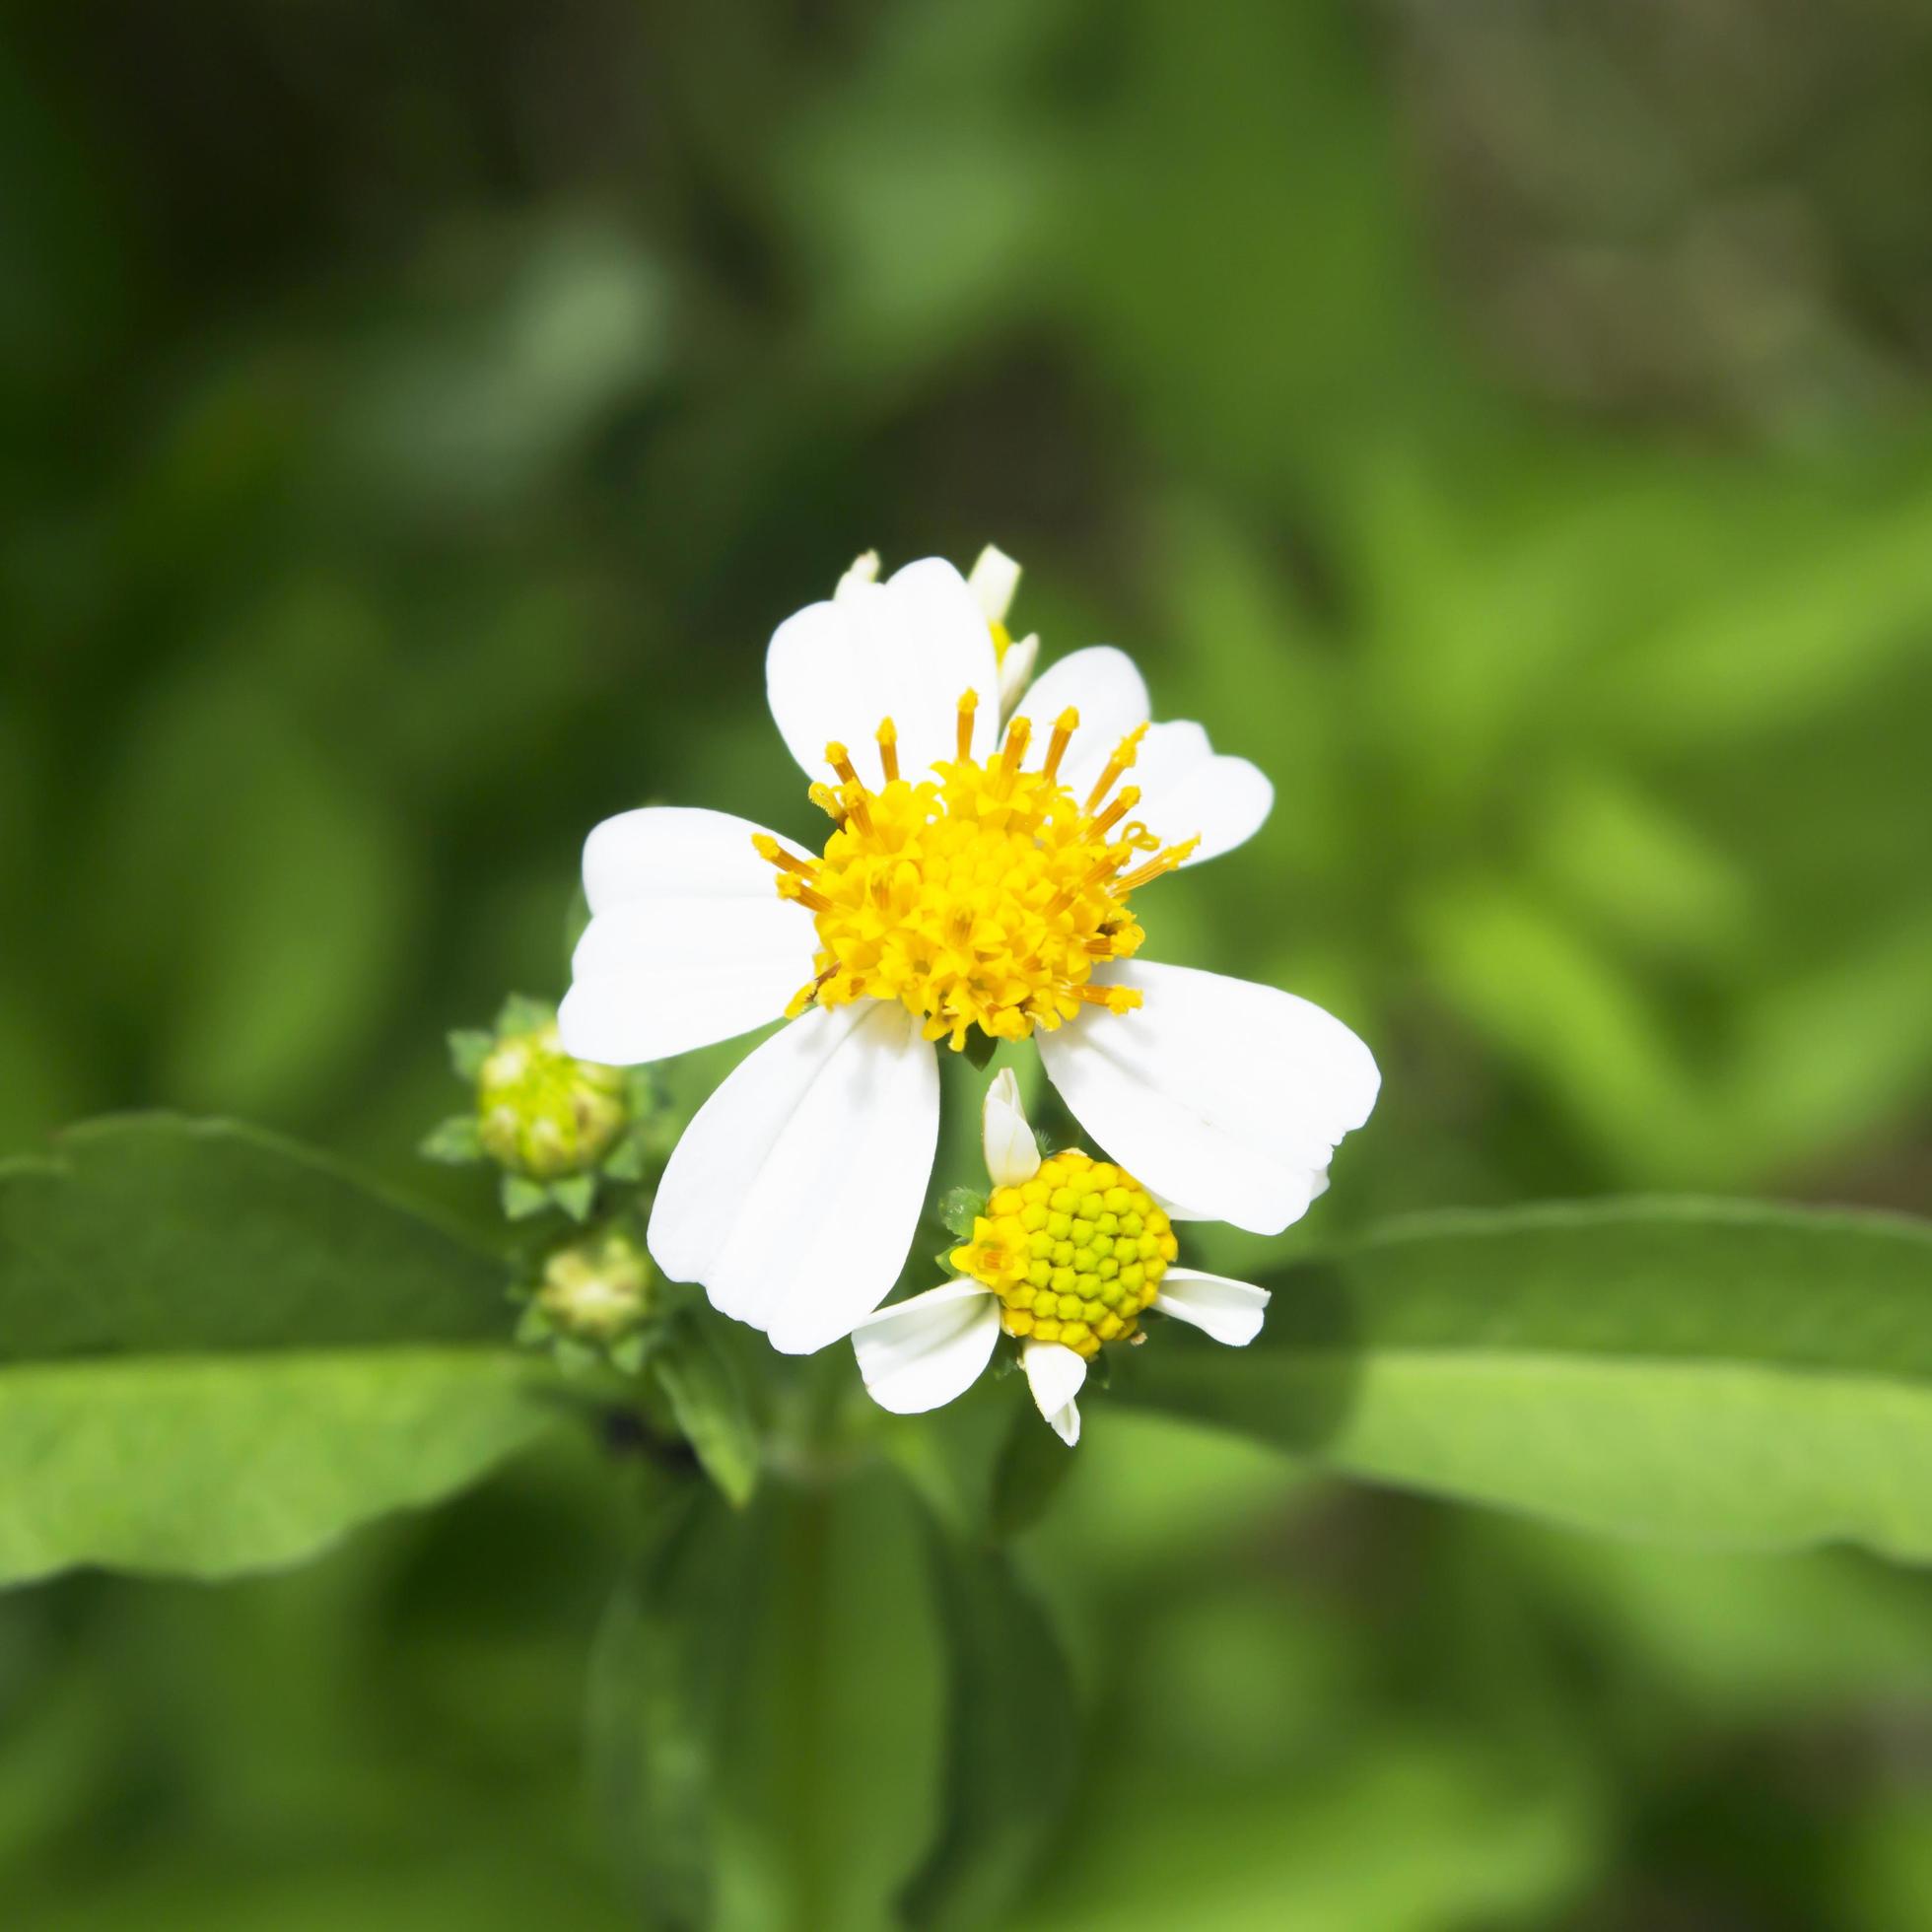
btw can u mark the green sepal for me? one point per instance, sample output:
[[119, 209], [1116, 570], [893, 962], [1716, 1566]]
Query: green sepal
[[959, 1208], [627, 1162], [470, 1048], [575, 1358], [522, 1197], [574, 1195], [629, 1355], [454, 1142], [980, 1049], [519, 1013]]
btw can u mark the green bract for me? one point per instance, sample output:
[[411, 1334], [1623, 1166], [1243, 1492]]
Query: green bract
[[553, 1124]]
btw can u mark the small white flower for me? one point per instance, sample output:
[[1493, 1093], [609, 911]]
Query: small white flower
[[1022, 1262], [958, 888]]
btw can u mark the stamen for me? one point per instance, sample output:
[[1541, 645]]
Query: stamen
[[890, 748], [1018, 732], [1173, 856], [969, 702], [1125, 754], [1116, 998], [1064, 897], [1064, 728], [827, 800], [789, 886], [840, 761], [774, 854], [1129, 797]]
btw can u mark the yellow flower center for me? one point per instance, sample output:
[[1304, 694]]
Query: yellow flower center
[[1075, 1255], [983, 896]]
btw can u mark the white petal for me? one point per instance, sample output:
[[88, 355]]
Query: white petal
[[1012, 1155], [904, 649], [865, 570], [993, 580], [688, 940], [923, 1352], [794, 1195], [1229, 1311], [1016, 672], [1103, 686], [1056, 1374], [1224, 1098], [1188, 791]]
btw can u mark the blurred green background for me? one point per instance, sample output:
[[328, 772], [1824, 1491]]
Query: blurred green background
[[1509, 423]]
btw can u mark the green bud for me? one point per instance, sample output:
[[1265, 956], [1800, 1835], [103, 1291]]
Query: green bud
[[541, 1113], [596, 1291]]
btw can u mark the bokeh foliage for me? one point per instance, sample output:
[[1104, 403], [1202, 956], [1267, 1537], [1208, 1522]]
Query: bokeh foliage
[[1508, 424]]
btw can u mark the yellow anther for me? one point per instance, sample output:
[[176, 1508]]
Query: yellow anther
[[1018, 734], [1116, 998], [789, 886], [1169, 861], [1125, 753], [981, 897], [1127, 798], [1064, 728], [774, 854], [969, 702]]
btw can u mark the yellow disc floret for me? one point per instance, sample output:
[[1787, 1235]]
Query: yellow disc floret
[[1075, 1255], [985, 895]]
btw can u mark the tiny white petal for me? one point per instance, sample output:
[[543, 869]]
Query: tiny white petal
[[1229, 1311], [1016, 672], [993, 579], [1224, 1098], [688, 940], [793, 1194], [923, 1352], [1012, 1154], [865, 570], [1055, 1373], [905, 650]]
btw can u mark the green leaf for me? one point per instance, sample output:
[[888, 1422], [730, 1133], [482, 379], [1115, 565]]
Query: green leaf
[[959, 1208], [219, 1354], [1011, 1740], [664, 1661], [708, 1401], [1724, 1374]]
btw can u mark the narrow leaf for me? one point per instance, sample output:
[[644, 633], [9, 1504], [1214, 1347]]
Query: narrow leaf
[[218, 1354], [669, 1650], [1012, 1739], [1718, 1373]]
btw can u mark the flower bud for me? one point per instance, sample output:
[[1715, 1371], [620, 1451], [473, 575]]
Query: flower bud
[[596, 1291], [542, 1113]]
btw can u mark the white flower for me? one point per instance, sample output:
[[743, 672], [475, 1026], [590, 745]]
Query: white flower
[[958, 888], [1056, 1277]]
